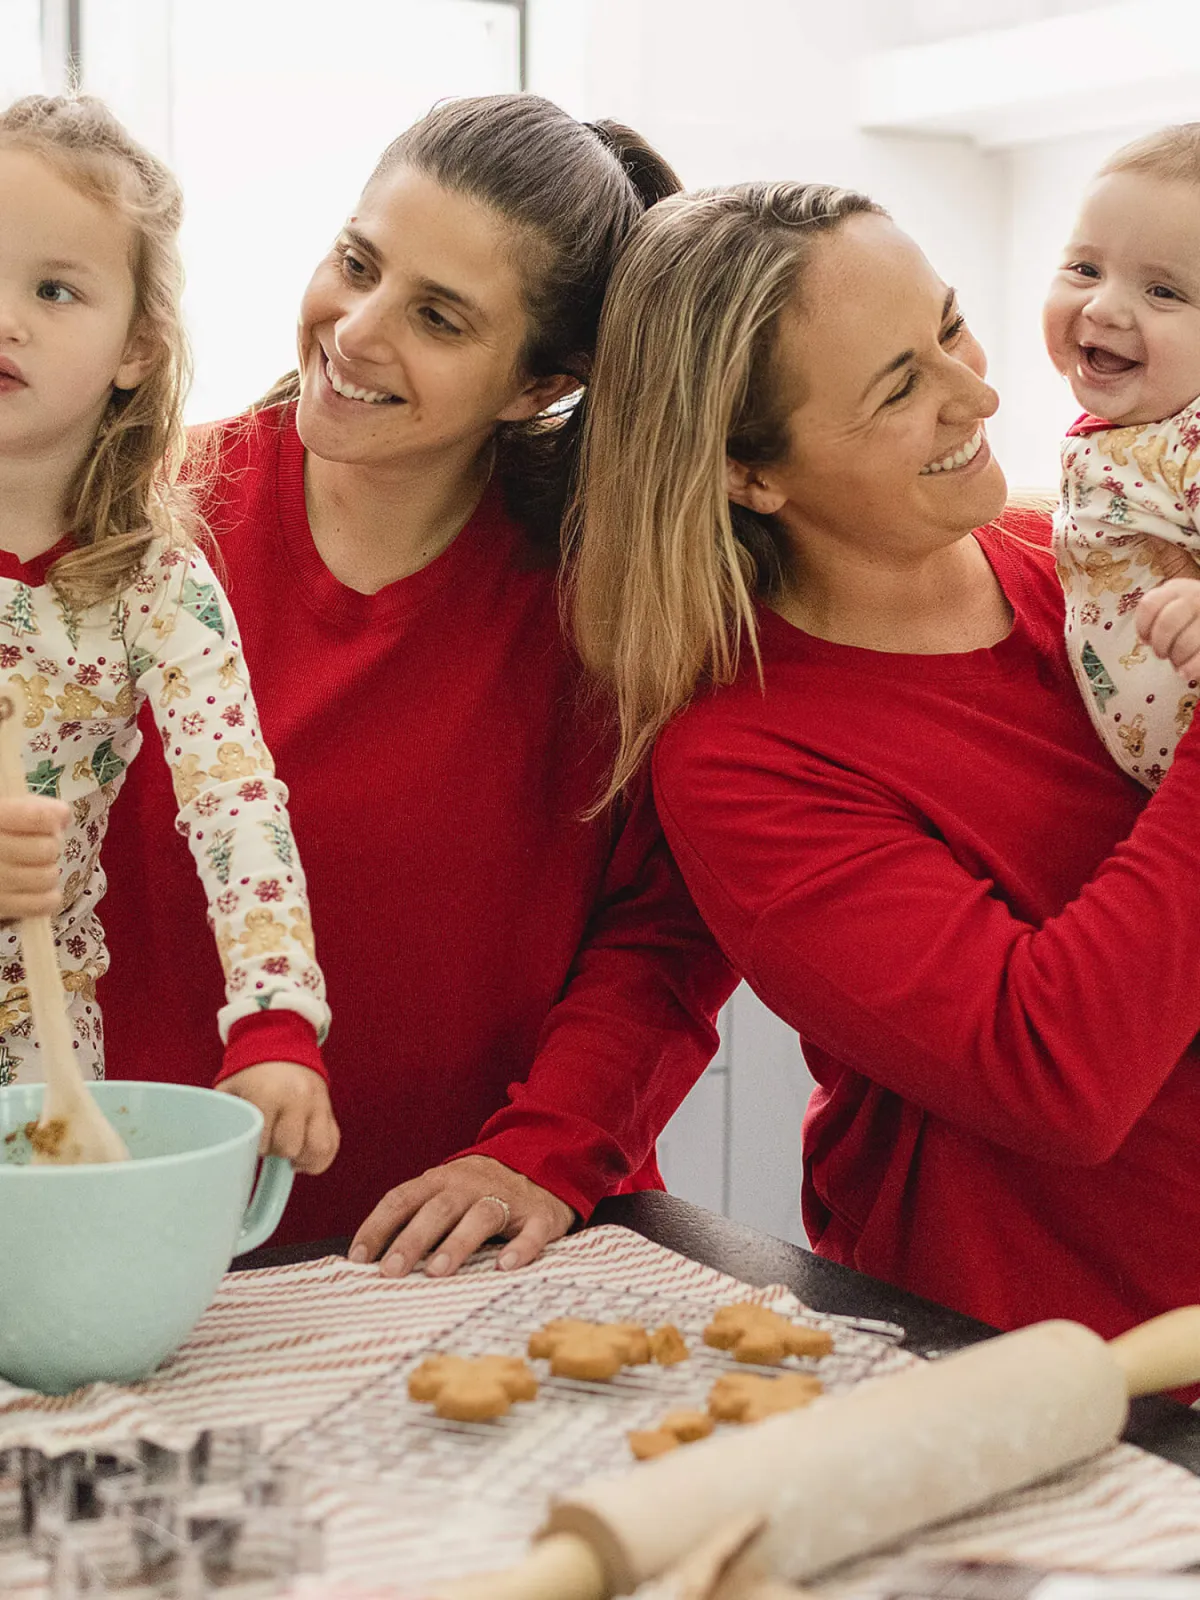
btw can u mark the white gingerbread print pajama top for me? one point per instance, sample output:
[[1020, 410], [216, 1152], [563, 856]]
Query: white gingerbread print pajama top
[[1127, 493], [168, 638]]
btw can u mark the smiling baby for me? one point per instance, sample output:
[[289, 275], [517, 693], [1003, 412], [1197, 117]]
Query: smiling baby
[[1122, 324]]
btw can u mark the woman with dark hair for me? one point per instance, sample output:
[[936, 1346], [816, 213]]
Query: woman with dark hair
[[521, 997]]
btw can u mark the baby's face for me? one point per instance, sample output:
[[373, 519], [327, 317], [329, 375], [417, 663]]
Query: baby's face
[[1122, 319]]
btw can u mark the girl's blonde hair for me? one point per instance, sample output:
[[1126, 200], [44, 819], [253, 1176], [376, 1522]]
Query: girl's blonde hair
[[665, 570], [126, 492], [1171, 153]]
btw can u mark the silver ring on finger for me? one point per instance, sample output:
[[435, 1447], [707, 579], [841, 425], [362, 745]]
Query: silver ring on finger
[[495, 1200]]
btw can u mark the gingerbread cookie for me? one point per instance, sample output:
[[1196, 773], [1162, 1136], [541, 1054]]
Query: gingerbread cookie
[[745, 1397], [465, 1390], [755, 1333], [594, 1351], [542, 1342], [667, 1345], [594, 1354], [676, 1428]]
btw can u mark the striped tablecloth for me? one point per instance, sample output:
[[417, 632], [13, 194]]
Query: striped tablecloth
[[280, 1348]]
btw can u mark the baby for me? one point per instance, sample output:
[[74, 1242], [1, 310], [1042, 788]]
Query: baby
[[1122, 324]]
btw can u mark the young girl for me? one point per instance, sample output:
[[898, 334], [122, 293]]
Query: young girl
[[1122, 324], [106, 603]]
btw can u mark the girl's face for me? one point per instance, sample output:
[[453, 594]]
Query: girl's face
[[412, 329], [886, 404], [66, 314], [1122, 319]]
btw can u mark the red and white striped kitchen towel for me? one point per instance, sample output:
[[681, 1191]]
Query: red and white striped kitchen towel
[[281, 1347]]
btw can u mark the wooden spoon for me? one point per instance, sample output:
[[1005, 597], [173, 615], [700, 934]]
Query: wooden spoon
[[72, 1128]]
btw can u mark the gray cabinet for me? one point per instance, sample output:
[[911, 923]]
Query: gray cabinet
[[734, 1144]]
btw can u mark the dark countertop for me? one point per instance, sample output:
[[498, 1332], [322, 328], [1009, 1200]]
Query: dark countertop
[[1162, 1426]]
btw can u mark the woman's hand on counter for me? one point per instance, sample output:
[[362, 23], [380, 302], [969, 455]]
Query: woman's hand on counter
[[449, 1211]]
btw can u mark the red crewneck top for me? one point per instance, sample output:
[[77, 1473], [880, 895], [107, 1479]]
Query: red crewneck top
[[504, 977], [986, 937]]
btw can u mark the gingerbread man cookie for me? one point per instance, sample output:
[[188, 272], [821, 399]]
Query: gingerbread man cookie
[[542, 1342], [757, 1334], [465, 1390], [745, 1397], [594, 1351], [676, 1428], [594, 1354]]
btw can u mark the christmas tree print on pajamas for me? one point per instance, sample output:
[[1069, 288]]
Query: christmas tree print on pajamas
[[169, 639]]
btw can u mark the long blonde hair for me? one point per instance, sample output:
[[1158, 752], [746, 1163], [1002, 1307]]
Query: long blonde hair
[[665, 570], [126, 492]]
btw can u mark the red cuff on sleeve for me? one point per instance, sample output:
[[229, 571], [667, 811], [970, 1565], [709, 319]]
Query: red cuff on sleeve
[[271, 1036], [555, 1158]]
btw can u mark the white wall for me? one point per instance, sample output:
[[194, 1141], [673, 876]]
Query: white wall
[[20, 49], [767, 89]]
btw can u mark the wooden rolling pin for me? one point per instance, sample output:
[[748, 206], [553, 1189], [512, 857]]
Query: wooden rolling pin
[[860, 1470]]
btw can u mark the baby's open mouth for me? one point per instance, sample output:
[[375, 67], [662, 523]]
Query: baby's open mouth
[[1102, 363]]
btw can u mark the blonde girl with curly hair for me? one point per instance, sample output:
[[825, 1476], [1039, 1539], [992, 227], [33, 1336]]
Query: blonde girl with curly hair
[[107, 603]]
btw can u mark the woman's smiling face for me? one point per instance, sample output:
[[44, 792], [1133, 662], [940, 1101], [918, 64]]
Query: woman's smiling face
[[886, 402], [412, 328]]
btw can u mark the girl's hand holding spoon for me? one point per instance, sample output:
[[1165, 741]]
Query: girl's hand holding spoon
[[31, 830]]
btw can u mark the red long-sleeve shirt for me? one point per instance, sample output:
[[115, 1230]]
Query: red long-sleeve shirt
[[504, 978], [987, 938]]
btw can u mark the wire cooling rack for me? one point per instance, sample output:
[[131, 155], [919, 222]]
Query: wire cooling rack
[[461, 1497]]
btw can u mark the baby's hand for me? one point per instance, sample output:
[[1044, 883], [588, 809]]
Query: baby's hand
[[1168, 619], [298, 1119], [31, 831]]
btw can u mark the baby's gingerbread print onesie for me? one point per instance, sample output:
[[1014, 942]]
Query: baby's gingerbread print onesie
[[84, 674], [1127, 495]]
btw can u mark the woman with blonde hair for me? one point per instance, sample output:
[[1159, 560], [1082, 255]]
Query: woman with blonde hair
[[795, 570]]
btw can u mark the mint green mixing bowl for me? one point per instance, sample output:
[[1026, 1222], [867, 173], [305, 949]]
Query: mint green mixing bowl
[[104, 1270]]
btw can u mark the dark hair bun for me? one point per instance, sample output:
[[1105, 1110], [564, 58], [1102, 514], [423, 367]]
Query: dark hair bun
[[652, 177]]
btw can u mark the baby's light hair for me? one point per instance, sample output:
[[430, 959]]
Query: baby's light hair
[[1171, 153], [126, 492]]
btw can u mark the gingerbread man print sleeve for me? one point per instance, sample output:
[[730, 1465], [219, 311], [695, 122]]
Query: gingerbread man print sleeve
[[1128, 519], [185, 659]]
